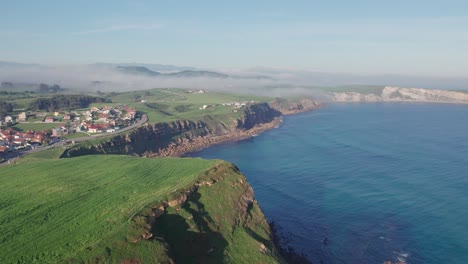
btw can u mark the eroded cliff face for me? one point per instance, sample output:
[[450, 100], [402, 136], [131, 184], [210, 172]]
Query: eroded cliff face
[[217, 220], [397, 94], [256, 114], [287, 107], [179, 137]]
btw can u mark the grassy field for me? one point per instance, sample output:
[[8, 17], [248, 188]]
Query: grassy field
[[163, 105], [91, 209], [55, 209], [35, 126]]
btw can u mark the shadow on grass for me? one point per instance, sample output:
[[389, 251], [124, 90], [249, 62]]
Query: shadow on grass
[[191, 245]]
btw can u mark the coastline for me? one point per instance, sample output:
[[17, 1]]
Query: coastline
[[185, 146], [397, 102], [180, 137]]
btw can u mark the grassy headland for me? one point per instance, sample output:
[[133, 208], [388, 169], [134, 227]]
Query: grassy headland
[[94, 209]]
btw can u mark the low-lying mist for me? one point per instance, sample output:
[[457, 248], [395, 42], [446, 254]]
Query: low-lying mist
[[271, 82]]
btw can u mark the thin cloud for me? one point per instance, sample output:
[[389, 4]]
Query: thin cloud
[[118, 28]]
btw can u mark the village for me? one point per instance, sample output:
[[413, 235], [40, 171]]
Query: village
[[106, 119]]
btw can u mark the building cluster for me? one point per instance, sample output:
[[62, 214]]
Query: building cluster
[[238, 105], [106, 119], [7, 120], [95, 120], [12, 140], [234, 105], [196, 91]]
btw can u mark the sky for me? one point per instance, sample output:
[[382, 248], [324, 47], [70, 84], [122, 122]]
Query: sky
[[415, 37]]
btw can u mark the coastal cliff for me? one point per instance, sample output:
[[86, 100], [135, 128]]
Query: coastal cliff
[[288, 107], [123, 209], [397, 94], [179, 137], [216, 220]]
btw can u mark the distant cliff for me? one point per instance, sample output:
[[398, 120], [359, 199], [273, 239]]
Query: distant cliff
[[179, 137], [397, 94], [288, 107]]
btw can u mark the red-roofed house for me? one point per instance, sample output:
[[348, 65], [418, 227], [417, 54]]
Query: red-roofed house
[[95, 129], [19, 141], [38, 138], [3, 149]]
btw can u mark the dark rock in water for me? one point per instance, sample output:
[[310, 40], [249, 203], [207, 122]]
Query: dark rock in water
[[287, 252]]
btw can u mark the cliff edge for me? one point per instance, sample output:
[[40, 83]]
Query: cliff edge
[[179, 137], [122, 209], [217, 220]]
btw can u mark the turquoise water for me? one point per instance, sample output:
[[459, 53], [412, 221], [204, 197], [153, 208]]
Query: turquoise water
[[364, 183]]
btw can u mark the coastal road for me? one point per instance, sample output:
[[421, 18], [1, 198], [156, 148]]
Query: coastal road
[[12, 156], [138, 123]]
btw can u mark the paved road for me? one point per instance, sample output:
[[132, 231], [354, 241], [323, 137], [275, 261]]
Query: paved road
[[138, 123], [12, 156]]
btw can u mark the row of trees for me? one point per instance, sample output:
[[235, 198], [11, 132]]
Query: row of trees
[[16, 93], [45, 88], [5, 108], [61, 102], [7, 85]]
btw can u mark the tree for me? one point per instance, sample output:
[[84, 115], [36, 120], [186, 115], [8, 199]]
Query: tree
[[65, 102], [7, 84], [44, 88], [5, 108], [55, 88]]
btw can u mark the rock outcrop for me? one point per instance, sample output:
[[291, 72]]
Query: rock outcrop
[[288, 107], [216, 220]]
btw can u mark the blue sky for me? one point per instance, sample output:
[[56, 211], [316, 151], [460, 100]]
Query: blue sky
[[370, 37]]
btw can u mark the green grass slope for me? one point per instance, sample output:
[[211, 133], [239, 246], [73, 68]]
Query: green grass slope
[[165, 105], [90, 209], [52, 210]]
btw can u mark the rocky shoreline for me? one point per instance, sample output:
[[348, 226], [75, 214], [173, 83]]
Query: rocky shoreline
[[178, 138], [186, 146]]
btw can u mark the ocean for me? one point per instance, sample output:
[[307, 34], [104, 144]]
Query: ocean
[[364, 183]]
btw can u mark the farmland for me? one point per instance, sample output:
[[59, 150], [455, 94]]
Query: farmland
[[163, 105]]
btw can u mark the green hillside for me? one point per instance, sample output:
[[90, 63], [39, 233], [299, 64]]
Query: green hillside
[[164, 105], [94, 209]]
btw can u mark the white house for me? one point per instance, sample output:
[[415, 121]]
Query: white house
[[9, 119]]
